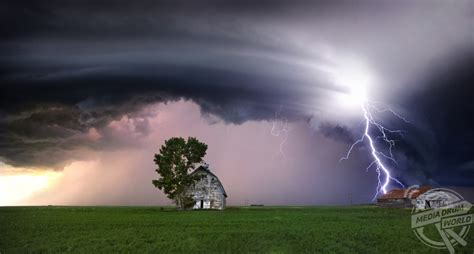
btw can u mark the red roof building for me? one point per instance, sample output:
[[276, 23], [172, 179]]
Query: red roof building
[[401, 197]]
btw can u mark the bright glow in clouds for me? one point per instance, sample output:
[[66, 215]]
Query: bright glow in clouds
[[14, 188], [356, 77]]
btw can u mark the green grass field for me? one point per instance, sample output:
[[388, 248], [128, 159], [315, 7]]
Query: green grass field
[[235, 230]]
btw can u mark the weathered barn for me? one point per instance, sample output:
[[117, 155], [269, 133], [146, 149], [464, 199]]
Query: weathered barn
[[401, 197], [435, 199], [208, 192]]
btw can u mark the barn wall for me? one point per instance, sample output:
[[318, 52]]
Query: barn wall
[[209, 190]]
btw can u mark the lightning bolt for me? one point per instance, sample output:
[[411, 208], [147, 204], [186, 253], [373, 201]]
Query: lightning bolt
[[280, 132], [356, 77], [383, 172]]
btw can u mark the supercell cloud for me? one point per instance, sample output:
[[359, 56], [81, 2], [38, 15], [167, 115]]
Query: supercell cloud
[[69, 70]]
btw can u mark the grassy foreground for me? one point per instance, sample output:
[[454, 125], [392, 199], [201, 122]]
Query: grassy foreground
[[235, 230]]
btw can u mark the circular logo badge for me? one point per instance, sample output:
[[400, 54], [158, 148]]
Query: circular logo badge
[[441, 219]]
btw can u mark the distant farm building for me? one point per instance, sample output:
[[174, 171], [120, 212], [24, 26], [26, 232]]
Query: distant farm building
[[402, 197], [435, 199], [208, 192]]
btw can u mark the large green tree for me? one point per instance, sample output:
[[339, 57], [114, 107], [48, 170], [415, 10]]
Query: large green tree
[[177, 159]]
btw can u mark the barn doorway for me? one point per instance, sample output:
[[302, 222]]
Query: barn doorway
[[202, 204]]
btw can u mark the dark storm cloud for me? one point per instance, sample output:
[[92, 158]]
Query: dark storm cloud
[[70, 67], [445, 112], [337, 132]]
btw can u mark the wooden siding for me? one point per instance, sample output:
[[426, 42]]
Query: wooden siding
[[207, 192]]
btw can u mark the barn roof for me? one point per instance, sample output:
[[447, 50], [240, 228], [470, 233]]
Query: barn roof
[[207, 171], [393, 194], [400, 193]]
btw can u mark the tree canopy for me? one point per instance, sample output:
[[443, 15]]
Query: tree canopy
[[176, 160]]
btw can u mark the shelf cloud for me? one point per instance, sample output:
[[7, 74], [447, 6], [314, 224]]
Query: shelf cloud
[[71, 70]]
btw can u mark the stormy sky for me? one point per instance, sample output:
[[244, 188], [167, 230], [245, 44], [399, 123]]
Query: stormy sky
[[90, 90]]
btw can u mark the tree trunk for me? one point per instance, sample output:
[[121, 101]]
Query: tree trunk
[[179, 202]]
